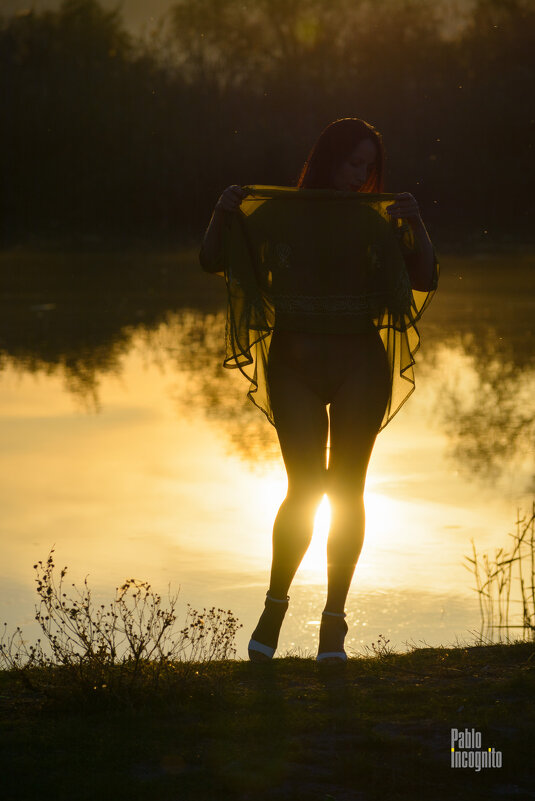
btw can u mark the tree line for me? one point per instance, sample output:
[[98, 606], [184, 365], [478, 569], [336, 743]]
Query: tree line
[[105, 135]]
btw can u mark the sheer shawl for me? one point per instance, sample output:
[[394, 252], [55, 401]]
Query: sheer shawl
[[319, 261]]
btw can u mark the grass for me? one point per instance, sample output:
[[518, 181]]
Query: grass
[[377, 728], [117, 702], [505, 583]]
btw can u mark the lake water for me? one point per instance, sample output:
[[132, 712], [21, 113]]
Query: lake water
[[129, 448]]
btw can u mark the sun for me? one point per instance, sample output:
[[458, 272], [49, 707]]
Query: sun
[[384, 517], [315, 559]]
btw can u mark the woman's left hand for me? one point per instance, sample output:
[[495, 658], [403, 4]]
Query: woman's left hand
[[405, 206]]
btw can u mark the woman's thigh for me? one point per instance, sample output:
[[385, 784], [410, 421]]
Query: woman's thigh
[[356, 414], [302, 425]]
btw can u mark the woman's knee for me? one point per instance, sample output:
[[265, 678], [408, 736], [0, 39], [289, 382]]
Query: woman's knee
[[345, 482], [346, 500], [306, 495]]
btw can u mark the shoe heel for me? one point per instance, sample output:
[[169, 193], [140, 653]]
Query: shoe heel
[[273, 614], [335, 655]]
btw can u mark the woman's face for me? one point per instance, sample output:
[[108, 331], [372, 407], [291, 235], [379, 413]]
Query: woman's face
[[355, 170]]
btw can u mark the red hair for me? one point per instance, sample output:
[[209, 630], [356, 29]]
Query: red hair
[[335, 144]]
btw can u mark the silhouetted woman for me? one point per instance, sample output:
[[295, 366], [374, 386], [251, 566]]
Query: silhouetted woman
[[309, 370]]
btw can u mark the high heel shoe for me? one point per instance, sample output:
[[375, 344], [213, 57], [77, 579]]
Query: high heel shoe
[[333, 630], [264, 639]]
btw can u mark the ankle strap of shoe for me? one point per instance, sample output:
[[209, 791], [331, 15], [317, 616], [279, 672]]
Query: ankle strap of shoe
[[334, 614], [278, 600]]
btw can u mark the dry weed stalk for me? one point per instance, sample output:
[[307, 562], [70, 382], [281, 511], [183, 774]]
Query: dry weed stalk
[[507, 579], [130, 644]]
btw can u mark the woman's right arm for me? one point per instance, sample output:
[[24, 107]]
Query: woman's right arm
[[210, 253]]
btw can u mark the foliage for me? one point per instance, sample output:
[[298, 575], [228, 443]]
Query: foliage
[[121, 648], [108, 134]]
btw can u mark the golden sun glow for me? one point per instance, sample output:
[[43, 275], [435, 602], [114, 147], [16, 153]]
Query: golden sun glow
[[315, 558], [390, 524], [385, 519]]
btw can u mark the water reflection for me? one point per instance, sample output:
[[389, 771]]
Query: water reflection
[[194, 343], [75, 315], [481, 397], [79, 317], [166, 471], [484, 403]]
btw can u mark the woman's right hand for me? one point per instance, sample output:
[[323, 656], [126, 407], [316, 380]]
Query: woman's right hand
[[231, 198]]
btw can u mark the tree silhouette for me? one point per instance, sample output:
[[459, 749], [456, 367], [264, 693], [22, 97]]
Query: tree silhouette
[[107, 136]]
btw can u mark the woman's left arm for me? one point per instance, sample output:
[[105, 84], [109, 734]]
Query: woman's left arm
[[421, 263]]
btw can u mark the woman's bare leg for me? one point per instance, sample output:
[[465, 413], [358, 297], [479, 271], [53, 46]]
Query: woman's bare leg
[[356, 414], [302, 426]]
